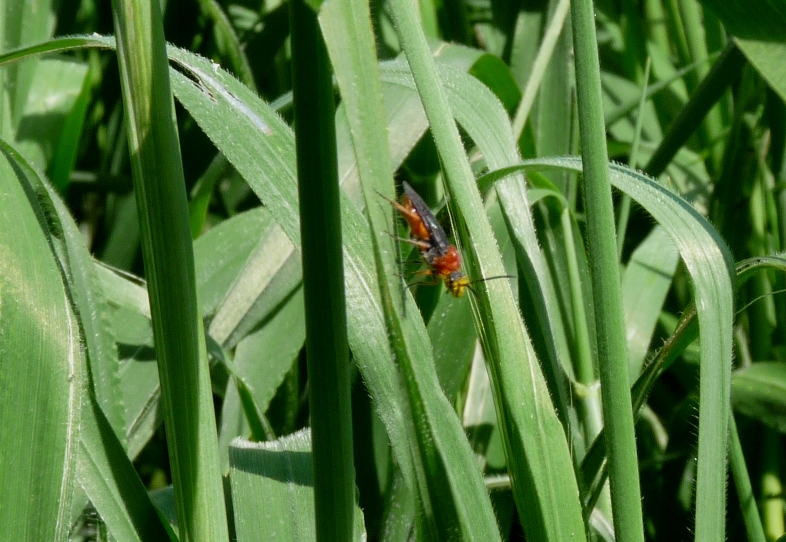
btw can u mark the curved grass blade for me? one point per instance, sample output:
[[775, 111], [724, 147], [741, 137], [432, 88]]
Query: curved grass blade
[[710, 265], [261, 148], [483, 118], [41, 366], [442, 449], [538, 456], [480, 113], [685, 333]]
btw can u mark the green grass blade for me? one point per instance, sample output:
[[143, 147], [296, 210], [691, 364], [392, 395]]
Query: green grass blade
[[273, 490], [645, 284], [543, 484], [21, 23], [87, 297], [261, 148], [130, 318], [623, 213], [742, 481], [327, 348], [103, 469], [263, 359], [169, 266], [709, 262], [710, 130], [724, 72], [447, 460], [757, 26], [758, 392], [480, 114], [540, 307], [222, 253], [606, 292], [425, 411], [90, 305], [111, 482], [50, 128], [227, 41], [40, 337], [222, 260], [545, 51], [203, 190], [745, 394], [270, 274], [623, 109]]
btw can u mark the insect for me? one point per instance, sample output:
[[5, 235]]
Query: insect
[[442, 257]]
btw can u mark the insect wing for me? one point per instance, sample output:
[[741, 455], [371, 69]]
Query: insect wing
[[438, 237]]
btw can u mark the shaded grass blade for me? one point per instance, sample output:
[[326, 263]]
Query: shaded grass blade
[[723, 73], [327, 348]]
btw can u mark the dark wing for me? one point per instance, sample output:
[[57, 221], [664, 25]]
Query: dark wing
[[439, 238]]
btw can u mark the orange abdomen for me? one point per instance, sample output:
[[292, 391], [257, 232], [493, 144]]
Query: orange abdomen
[[416, 225]]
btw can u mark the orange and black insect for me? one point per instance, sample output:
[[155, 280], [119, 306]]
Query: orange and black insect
[[442, 257]]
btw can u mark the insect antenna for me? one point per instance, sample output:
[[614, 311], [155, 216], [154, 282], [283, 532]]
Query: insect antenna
[[471, 289]]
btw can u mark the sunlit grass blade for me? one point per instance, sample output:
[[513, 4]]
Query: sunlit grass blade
[[645, 284], [261, 147], [88, 300], [22, 23], [103, 469], [272, 488], [709, 262], [169, 267], [432, 409], [539, 66], [270, 274], [41, 337], [481, 116], [604, 273], [537, 452], [90, 305], [441, 449]]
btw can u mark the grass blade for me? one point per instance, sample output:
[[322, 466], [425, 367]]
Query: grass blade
[[543, 481], [606, 292], [40, 336], [723, 73], [273, 490], [169, 266], [323, 278], [440, 450], [710, 264]]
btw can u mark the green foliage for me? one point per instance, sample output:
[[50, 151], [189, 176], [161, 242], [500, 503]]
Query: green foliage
[[154, 299]]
